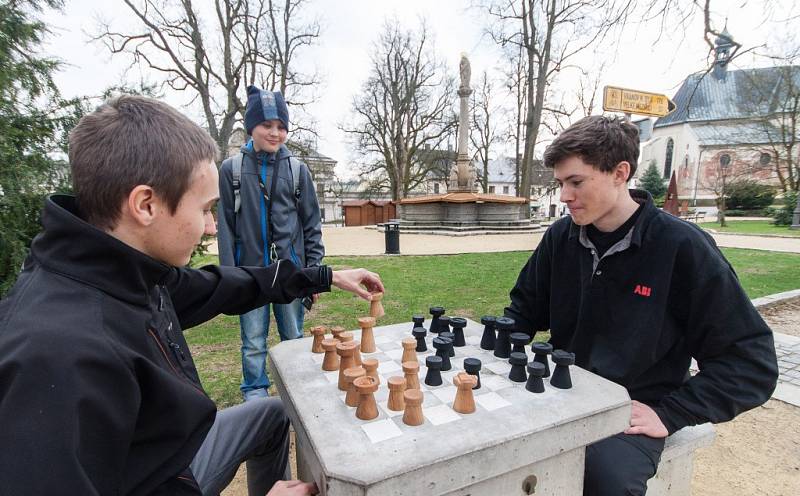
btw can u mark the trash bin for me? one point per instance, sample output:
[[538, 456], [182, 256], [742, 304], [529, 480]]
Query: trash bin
[[391, 231]]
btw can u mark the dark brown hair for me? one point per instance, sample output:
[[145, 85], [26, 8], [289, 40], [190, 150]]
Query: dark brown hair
[[599, 141], [128, 141]]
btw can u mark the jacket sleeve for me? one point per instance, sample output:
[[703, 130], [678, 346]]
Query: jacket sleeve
[[67, 417], [225, 216], [201, 294], [530, 297], [734, 350], [310, 219]]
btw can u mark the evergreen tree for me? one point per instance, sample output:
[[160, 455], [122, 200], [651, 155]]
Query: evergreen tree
[[32, 121], [651, 181]]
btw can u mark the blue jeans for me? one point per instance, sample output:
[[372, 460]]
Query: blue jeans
[[255, 327]]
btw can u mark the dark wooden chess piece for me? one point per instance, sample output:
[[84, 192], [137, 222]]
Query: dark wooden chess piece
[[561, 378], [443, 346], [540, 352], [458, 324], [434, 365], [419, 333], [418, 320], [472, 366], [518, 361], [518, 341], [444, 324], [449, 335], [436, 312], [488, 339], [502, 347], [535, 383]]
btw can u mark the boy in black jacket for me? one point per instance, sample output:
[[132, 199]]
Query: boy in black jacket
[[636, 293], [98, 390]]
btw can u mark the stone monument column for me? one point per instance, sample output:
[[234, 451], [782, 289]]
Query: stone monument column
[[462, 177]]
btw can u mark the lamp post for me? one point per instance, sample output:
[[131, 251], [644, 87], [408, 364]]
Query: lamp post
[[796, 215]]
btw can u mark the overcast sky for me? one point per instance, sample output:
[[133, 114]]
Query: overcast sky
[[350, 27]]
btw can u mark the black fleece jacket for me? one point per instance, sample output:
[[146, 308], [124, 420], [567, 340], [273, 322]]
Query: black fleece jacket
[[642, 313], [98, 390]]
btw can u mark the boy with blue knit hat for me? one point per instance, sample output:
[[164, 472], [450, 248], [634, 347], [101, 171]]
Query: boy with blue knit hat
[[268, 211]]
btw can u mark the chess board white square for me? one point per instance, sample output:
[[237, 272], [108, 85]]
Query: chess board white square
[[318, 357], [446, 394], [500, 368], [394, 354], [390, 413], [390, 368], [494, 382], [332, 376], [473, 340], [381, 430], [491, 401], [441, 414], [382, 338]]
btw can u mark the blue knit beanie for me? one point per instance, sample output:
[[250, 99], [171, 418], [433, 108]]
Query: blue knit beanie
[[264, 106]]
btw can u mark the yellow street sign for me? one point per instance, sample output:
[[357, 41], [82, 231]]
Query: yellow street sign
[[636, 102]]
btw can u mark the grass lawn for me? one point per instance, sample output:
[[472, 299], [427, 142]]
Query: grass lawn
[[469, 285], [750, 227]]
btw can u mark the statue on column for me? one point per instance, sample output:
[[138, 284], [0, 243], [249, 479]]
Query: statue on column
[[463, 176]]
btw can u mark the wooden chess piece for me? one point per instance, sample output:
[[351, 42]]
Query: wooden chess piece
[[347, 337], [411, 371], [412, 415], [319, 334], [367, 335], [331, 360], [371, 366], [351, 375], [397, 385], [409, 350], [367, 408], [345, 352], [344, 336], [336, 330], [465, 401], [376, 307]]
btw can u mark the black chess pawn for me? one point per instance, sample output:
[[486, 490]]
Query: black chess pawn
[[434, 365], [444, 324], [419, 334], [502, 346], [458, 324], [518, 341], [472, 366], [561, 379], [443, 347], [418, 321], [518, 361], [436, 312], [540, 352], [449, 335], [535, 383], [488, 338]]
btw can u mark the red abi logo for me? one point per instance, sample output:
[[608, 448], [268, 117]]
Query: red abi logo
[[642, 290]]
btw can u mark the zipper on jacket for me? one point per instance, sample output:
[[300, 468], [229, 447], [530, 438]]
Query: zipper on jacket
[[176, 348]]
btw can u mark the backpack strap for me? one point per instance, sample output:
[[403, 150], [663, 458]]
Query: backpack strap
[[294, 167], [236, 170]]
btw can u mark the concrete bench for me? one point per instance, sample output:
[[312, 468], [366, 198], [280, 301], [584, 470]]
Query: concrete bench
[[674, 476]]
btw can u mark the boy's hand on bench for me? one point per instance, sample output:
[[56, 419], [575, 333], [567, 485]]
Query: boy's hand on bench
[[293, 488], [644, 420], [358, 281]]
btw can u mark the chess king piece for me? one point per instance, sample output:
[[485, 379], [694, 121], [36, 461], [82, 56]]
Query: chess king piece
[[561, 378], [443, 346], [434, 365], [436, 312], [409, 350], [502, 347], [540, 352], [319, 334], [472, 366], [367, 334], [397, 385], [418, 320], [419, 334], [346, 360], [488, 339], [465, 401], [518, 341], [535, 383], [331, 360], [351, 375], [518, 361], [412, 415], [458, 324], [367, 408], [370, 365], [376, 307], [411, 372]]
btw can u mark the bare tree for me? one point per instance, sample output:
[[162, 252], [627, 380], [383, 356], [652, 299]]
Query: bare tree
[[404, 107], [244, 42], [724, 170], [551, 32], [483, 132], [516, 72]]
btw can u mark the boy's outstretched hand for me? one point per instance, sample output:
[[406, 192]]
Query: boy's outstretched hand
[[358, 281], [293, 488]]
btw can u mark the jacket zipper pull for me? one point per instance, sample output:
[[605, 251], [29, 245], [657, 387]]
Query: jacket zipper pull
[[176, 348]]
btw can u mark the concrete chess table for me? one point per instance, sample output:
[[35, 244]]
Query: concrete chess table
[[516, 442]]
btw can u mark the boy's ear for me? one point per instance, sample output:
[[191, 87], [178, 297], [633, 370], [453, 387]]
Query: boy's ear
[[143, 205], [621, 172]]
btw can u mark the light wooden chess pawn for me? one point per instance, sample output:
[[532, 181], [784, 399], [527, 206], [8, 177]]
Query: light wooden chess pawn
[[331, 360], [409, 350], [319, 334], [347, 337], [371, 366], [465, 401], [397, 385], [375, 306], [411, 372], [345, 352], [336, 330], [412, 415], [351, 375], [367, 334], [367, 408]]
